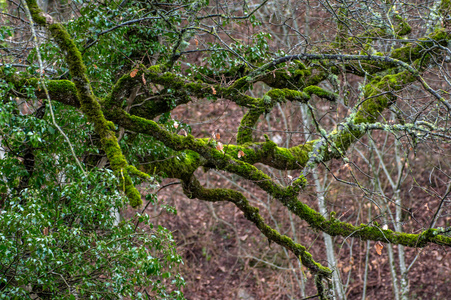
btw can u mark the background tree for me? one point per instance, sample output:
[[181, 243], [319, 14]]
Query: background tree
[[362, 95]]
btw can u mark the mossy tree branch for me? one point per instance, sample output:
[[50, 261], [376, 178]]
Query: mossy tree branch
[[193, 189], [88, 103], [286, 195]]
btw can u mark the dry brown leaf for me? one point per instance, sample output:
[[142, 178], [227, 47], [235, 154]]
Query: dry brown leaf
[[219, 147], [133, 73], [144, 79], [379, 247], [244, 237], [240, 154]]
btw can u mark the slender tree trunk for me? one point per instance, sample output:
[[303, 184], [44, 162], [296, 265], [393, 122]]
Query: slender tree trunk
[[332, 262]]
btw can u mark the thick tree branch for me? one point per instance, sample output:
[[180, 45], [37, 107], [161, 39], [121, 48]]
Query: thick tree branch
[[88, 103]]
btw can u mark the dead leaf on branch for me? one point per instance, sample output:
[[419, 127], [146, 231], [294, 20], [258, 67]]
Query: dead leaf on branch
[[133, 73], [215, 135], [379, 247], [183, 131], [220, 147]]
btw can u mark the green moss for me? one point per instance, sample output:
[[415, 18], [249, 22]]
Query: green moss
[[445, 7], [247, 125], [313, 79], [63, 91], [371, 109], [403, 28], [242, 83], [414, 51], [282, 95], [302, 73], [36, 12], [134, 171], [155, 69], [182, 166], [316, 90], [283, 158], [61, 87], [300, 65]]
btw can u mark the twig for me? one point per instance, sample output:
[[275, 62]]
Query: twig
[[27, 11]]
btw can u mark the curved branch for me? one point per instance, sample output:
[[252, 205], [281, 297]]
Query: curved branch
[[193, 189]]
